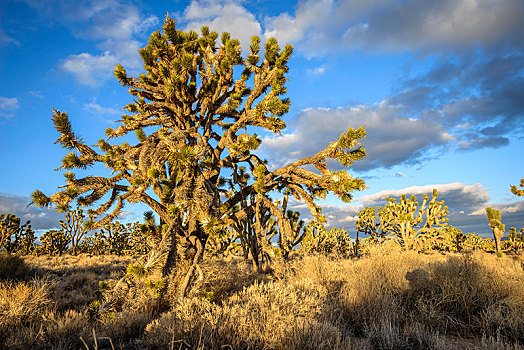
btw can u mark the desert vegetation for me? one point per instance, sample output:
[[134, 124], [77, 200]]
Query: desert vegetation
[[221, 261]]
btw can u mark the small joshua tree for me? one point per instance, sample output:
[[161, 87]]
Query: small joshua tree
[[14, 235], [412, 225], [516, 239], [188, 113], [54, 242], [75, 227], [516, 191], [371, 222], [497, 227], [454, 238]]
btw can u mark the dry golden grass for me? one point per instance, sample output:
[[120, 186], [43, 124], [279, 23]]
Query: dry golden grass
[[389, 299]]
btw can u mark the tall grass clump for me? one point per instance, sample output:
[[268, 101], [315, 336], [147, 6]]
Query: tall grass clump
[[467, 295], [268, 315]]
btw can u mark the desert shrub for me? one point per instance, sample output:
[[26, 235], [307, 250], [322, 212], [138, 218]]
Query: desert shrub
[[383, 334], [12, 267], [23, 301], [268, 315], [466, 295]]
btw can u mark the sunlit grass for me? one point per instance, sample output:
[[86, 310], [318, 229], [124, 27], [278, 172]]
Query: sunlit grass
[[389, 299]]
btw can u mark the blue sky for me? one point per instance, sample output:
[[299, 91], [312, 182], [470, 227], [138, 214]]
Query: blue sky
[[439, 86]]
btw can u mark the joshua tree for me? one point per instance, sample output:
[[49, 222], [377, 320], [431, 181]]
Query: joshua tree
[[455, 239], [516, 240], [371, 222], [517, 191], [75, 227], [54, 242], [196, 110], [496, 225], [10, 226], [412, 225]]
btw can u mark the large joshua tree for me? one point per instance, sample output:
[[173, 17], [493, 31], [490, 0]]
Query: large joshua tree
[[193, 117]]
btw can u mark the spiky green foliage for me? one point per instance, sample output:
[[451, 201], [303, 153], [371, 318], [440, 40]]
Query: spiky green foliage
[[195, 108], [476, 242], [373, 223], [497, 227], [516, 191], [454, 239]]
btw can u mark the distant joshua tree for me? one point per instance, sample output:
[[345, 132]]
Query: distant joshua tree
[[516, 191], [200, 118], [497, 227]]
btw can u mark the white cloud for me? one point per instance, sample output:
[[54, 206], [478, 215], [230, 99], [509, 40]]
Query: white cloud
[[392, 139], [95, 108], [316, 71], [90, 69], [7, 106], [321, 26], [41, 218], [36, 93], [116, 26], [223, 16]]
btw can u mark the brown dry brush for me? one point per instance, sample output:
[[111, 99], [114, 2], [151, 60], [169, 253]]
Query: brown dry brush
[[388, 299]]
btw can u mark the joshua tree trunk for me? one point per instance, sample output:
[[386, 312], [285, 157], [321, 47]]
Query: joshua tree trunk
[[181, 252], [498, 234]]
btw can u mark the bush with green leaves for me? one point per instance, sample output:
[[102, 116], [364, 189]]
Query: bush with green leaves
[[12, 267], [516, 239], [452, 240]]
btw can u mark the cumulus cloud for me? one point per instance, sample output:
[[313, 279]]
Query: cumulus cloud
[[478, 99], [222, 16], [461, 104], [41, 218], [392, 139], [466, 204], [90, 69], [95, 108], [317, 71], [117, 27], [319, 26], [7, 106]]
